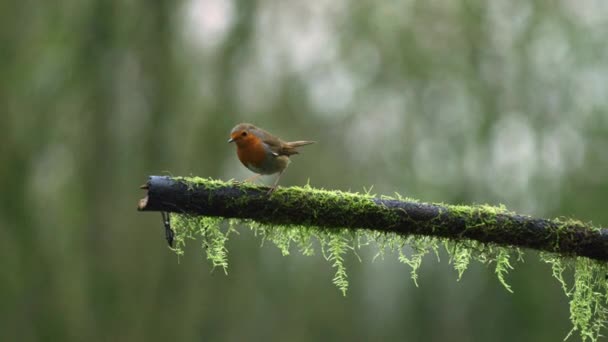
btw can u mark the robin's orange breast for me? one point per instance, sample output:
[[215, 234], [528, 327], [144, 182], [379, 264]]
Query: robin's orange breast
[[252, 153]]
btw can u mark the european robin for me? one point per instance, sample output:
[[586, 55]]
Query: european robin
[[262, 152]]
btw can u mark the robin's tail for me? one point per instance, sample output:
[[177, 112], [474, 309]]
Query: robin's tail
[[289, 148], [294, 144]]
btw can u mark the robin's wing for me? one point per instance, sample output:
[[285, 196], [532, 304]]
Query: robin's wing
[[277, 146], [272, 143]]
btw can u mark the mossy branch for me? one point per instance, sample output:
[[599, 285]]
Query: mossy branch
[[306, 206]]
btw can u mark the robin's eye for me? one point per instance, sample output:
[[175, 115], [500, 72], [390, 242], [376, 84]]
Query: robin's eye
[[244, 134]]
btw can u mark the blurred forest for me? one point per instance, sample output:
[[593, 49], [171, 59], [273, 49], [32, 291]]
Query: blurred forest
[[464, 101]]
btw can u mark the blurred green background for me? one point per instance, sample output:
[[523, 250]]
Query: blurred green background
[[457, 101]]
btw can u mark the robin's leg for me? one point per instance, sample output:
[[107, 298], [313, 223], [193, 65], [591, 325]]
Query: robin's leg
[[276, 182]]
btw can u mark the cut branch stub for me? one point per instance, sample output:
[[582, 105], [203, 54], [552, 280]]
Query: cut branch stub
[[335, 209]]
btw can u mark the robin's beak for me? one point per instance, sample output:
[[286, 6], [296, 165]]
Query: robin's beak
[[230, 140]]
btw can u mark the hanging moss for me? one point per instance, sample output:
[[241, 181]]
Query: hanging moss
[[212, 238], [588, 291]]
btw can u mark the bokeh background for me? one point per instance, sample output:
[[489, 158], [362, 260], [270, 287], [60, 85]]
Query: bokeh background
[[464, 101]]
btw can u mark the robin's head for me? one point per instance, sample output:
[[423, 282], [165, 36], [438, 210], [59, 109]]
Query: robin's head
[[242, 134]]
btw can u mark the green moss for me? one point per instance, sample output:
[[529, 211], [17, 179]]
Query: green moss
[[420, 246], [460, 256], [588, 291], [208, 183], [208, 229], [558, 266], [503, 266], [337, 245]]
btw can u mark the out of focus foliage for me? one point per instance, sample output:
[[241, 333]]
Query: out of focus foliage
[[462, 101]]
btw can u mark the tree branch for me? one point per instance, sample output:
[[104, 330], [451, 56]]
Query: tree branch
[[335, 209]]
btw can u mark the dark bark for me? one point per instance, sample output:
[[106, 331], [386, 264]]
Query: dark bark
[[329, 210]]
